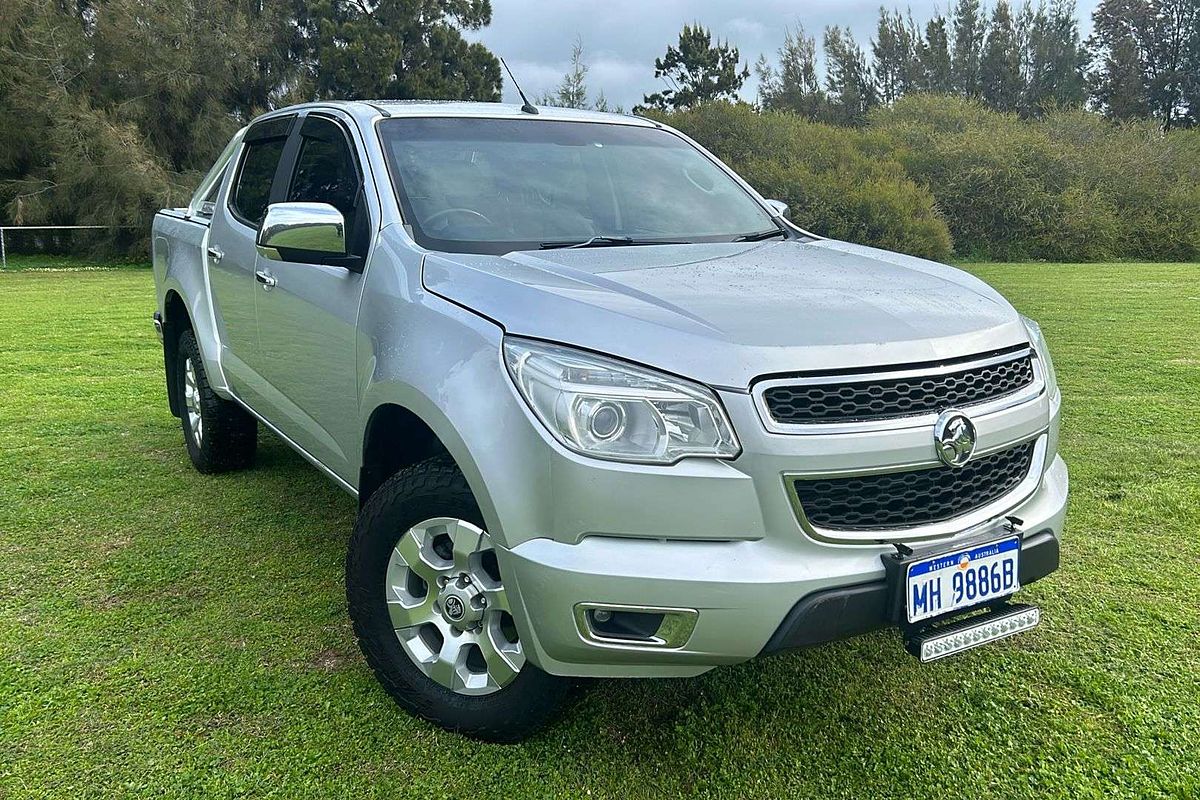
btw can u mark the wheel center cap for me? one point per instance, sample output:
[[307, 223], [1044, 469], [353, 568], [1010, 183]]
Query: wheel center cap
[[462, 604]]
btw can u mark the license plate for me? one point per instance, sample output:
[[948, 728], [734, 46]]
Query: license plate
[[962, 579]]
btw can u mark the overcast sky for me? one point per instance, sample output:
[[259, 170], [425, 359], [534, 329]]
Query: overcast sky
[[621, 38]]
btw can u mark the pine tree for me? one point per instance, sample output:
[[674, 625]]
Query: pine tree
[[697, 71], [1120, 86], [1159, 40], [572, 91], [848, 81], [1000, 80], [937, 74], [968, 47], [1055, 59], [795, 85], [896, 63]]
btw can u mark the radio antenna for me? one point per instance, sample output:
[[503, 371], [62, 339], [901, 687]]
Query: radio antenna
[[527, 107]]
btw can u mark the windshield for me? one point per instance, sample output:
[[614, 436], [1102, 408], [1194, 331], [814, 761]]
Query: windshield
[[497, 185]]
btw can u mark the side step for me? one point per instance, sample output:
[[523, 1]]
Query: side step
[[939, 641]]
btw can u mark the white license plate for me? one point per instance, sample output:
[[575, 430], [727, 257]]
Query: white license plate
[[961, 579]]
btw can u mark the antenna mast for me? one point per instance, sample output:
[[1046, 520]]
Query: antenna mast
[[527, 107]]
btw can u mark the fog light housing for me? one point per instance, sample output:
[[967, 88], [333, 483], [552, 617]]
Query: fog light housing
[[626, 626]]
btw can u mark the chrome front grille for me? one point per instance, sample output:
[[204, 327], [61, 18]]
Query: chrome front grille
[[912, 498], [895, 394]]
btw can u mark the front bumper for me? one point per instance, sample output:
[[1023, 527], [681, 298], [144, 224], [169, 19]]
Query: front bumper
[[750, 596]]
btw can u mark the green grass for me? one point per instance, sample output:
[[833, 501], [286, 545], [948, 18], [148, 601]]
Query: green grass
[[44, 261], [167, 633]]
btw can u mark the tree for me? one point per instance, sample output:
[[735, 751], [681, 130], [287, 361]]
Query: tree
[[896, 65], [572, 92], [795, 85], [848, 81], [968, 47], [1160, 41], [933, 56], [1001, 84], [397, 49], [697, 71], [1055, 59], [110, 109], [1119, 88]]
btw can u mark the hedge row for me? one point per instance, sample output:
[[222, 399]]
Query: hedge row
[[938, 176]]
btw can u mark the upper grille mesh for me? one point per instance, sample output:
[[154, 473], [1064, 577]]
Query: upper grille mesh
[[917, 497], [889, 398]]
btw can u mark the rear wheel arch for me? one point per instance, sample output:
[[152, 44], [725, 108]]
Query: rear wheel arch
[[176, 320]]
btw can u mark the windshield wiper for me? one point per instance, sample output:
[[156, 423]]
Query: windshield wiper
[[604, 241], [760, 235]]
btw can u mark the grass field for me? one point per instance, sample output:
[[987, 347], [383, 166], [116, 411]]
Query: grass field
[[169, 634], [42, 262]]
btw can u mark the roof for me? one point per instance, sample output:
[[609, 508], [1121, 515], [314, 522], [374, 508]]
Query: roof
[[456, 108]]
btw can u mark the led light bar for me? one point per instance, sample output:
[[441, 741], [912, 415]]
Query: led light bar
[[948, 640]]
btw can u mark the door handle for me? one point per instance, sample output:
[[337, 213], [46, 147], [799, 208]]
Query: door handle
[[216, 254], [265, 278]]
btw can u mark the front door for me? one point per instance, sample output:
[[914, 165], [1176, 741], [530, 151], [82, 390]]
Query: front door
[[308, 312]]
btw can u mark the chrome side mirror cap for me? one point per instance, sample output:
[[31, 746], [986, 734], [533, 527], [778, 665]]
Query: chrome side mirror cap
[[778, 207], [302, 232]]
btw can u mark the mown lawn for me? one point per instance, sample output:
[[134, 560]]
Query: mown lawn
[[169, 634]]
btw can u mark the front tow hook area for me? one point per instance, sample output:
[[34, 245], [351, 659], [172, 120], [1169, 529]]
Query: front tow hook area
[[938, 640]]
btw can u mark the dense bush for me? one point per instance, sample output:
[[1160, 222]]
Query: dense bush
[[1069, 187], [931, 170], [834, 180]]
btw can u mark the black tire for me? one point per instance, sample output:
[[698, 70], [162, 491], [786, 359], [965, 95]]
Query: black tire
[[229, 434], [433, 488]]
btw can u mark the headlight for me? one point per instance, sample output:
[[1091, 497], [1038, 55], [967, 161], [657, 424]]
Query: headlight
[[1043, 352], [608, 409]]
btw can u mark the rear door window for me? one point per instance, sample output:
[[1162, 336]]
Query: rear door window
[[256, 174]]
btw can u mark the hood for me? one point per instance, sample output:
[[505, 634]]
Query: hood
[[727, 313]]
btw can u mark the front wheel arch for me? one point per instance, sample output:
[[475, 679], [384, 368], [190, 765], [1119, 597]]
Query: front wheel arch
[[394, 438]]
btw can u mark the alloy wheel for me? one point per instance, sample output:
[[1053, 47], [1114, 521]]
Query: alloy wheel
[[449, 608], [191, 398]]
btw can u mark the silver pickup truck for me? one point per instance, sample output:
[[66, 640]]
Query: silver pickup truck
[[606, 412]]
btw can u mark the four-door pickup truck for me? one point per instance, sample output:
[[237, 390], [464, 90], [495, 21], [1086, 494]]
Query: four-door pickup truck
[[605, 410]]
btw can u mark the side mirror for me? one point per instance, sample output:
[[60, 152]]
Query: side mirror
[[302, 232], [778, 206]]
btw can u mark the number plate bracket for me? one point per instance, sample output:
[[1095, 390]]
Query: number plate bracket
[[895, 566]]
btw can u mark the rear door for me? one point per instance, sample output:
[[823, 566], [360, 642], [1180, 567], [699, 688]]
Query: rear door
[[231, 252], [307, 318]]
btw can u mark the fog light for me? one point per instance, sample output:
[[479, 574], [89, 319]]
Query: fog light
[[946, 640]]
